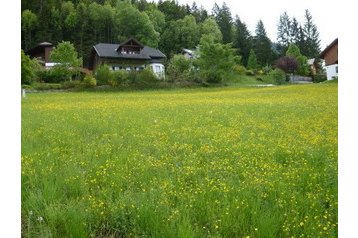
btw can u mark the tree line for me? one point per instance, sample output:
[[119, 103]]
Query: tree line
[[167, 25]]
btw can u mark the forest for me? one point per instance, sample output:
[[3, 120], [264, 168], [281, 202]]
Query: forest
[[166, 25]]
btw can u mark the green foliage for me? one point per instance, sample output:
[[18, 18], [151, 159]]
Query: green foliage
[[29, 22], [130, 22], [242, 39], [157, 18], [278, 76], [267, 69], [210, 27], [294, 52], [89, 81], [29, 69], [215, 60], [312, 42], [262, 46], [103, 75], [56, 74], [319, 77], [119, 77], [250, 72], [66, 54], [178, 68], [183, 33], [252, 61], [224, 20], [240, 69], [306, 37], [146, 76]]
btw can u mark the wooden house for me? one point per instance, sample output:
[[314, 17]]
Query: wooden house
[[41, 52], [330, 56], [129, 55]]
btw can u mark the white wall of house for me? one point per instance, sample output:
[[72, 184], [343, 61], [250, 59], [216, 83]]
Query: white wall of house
[[332, 71], [158, 69]]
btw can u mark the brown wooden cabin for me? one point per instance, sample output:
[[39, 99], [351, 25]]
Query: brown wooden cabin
[[41, 52], [330, 54]]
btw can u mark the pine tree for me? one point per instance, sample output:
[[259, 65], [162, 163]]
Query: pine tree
[[224, 19], [262, 45], [284, 32], [252, 61], [242, 39], [312, 41], [294, 31]]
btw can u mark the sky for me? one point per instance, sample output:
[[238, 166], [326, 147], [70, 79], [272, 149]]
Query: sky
[[251, 11]]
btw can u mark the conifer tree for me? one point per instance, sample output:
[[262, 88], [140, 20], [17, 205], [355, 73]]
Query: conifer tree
[[312, 41], [262, 45], [242, 39], [252, 61], [284, 32], [224, 19]]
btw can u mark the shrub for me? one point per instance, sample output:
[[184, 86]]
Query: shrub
[[118, 77], [47, 86], [267, 69], [71, 84], [250, 73], [319, 78], [103, 75], [240, 69], [89, 81], [287, 64], [178, 68], [146, 75], [56, 74], [29, 69], [278, 76]]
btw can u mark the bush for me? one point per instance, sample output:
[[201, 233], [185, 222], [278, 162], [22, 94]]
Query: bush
[[278, 76], [103, 75], [250, 73], [319, 78], [29, 69], [119, 77], [47, 86], [240, 69], [267, 69], [89, 81], [178, 68], [71, 84], [56, 74], [146, 75]]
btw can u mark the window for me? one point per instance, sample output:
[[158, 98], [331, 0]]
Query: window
[[337, 69], [157, 69]]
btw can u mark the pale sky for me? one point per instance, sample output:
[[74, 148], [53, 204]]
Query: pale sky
[[324, 14]]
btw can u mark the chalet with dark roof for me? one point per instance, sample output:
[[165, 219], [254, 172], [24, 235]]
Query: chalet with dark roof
[[129, 55]]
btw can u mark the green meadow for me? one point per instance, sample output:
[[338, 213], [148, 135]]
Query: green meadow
[[209, 162]]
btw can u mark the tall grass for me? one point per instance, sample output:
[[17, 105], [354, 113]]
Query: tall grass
[[228, 162]]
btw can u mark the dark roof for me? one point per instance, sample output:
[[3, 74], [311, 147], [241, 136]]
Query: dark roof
[[131, 39], [38, 47], [110, 51], [328, 48]]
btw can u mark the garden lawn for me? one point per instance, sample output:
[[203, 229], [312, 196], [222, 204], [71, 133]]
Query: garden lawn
[[219, 162]]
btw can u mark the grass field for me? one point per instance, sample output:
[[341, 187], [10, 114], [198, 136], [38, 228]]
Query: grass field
[[225, 162]]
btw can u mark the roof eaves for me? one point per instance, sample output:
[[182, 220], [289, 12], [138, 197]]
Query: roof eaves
[[328, 48]]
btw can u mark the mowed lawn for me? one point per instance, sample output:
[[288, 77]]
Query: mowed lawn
[[223, 162]]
